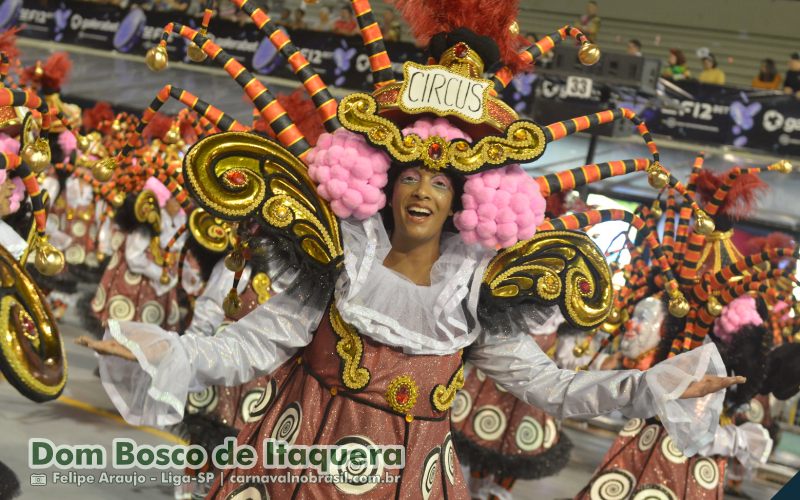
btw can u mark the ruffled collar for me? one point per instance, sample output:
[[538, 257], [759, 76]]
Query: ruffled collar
[[437, 319]]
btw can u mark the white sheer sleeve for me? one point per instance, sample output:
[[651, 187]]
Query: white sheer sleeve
[[208, 313], [51, 185], [154, 390], [565, 357], [517, 364], [136, 245], [11, 240], [749, 443]]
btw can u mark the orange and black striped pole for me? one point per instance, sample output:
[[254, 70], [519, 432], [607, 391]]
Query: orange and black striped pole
[[323, 100], [268, 106], [371, 35], [580, 176], [503, 77]]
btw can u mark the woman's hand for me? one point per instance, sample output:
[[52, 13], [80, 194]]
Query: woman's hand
[[106, 347], [710, 384]]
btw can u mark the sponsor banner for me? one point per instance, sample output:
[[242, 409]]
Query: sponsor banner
[[746, 118], [340, 61]]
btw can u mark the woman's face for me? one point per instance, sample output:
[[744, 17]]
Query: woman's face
[[173, 207], [672, 59], [421, 203], [707, 64]]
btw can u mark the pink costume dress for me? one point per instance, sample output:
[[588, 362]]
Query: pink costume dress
[[377, 359], [131, 288], [645, 462]]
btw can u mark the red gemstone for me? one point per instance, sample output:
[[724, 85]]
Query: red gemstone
[[401, 395], [435, 151], [461, 49], [28, 325], [584, 286], [236, 177]]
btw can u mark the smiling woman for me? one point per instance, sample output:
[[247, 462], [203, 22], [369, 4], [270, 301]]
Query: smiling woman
[[384, 303]]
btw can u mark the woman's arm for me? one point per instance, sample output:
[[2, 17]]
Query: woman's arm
[[517, 364], [153, 390]]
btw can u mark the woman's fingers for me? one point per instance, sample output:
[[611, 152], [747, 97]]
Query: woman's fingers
[[710, 384], [106, 347]]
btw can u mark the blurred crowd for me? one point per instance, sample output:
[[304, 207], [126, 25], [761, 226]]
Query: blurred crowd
[[330, 16]]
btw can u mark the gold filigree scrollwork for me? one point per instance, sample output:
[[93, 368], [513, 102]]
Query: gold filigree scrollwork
[[212, 233], [523, 141], [561, 267], [234, 175], [32, 354], [350, 348], [261, 285], [402, 393], [146, 210], [442, 396]]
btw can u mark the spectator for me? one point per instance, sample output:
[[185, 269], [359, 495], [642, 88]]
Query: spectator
[[286, 17], [390, 26], [298, 20], [324, 22], [634, 48], [545, 60], [711, 73], [768, 77], [589, 23], [346, 24], [791, 83], [676, 66]]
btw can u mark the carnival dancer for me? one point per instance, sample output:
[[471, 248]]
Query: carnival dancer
[[368, 339], [644, 459], [135, 284]]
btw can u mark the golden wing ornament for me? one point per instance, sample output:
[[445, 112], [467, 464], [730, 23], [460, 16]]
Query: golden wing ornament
[[32, 353], [553, 267], [236, 175]]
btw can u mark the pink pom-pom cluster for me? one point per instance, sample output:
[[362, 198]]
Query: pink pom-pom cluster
[[741, 312], [8, 144], [439, 127], [68, 142], [501, 207], [349, 173]]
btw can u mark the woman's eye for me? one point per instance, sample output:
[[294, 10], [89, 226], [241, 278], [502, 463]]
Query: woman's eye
[[441, 183], [409, 179]]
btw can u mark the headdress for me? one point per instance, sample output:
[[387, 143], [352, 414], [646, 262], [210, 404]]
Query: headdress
[[444, 116]]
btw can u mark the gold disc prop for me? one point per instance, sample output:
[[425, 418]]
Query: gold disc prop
[[32, 355]]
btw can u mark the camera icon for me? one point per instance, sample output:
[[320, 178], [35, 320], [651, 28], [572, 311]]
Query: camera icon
[[38, 479]]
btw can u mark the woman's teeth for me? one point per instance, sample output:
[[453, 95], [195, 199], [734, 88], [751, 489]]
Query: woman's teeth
[[419, 212]]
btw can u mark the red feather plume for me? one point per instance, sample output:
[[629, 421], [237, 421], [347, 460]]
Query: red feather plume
[[301, 111], [769, 242], [8, 43], [740, 199], [491, 18], [98, 117], [157, 127], [55, 72]]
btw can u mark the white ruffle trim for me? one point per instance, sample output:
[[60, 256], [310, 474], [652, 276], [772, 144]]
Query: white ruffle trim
[[691, 423], [154, 390], [436, 319]]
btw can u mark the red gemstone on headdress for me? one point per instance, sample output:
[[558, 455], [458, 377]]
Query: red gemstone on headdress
[[584, 286], [435, 151], [235, 177], [461, 49], [402, 395]]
